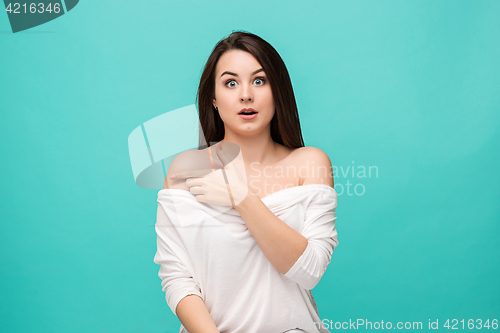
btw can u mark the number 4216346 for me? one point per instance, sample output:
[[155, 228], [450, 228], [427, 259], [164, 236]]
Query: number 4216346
[[471, 324], [16, 8]]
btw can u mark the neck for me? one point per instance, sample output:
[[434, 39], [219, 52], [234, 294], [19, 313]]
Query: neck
[[259, 148]]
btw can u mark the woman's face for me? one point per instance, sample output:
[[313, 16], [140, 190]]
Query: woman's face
[[240, 82]]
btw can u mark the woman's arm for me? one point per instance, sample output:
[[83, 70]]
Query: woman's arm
[[191, 310], [282, 244], [193, 314]]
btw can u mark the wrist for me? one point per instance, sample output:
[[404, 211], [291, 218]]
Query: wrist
[[248, 201]]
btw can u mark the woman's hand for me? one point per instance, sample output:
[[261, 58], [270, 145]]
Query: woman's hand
[[226, 186]]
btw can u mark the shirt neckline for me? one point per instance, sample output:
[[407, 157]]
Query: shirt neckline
[[292, 188]]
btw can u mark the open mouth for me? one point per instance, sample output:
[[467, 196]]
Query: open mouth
[[247, 112]]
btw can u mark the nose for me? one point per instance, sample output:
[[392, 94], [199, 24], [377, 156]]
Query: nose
[[246, 93]]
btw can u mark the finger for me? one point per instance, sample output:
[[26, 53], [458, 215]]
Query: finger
[[190, 174], [193, 182], [196, 190], [201, 198]]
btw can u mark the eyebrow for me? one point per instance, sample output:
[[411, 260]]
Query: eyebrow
[[234, 74]]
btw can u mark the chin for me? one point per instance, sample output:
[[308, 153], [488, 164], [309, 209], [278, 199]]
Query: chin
[[249, 131]]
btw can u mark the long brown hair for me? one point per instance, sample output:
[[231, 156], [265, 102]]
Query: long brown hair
[[285, 125]]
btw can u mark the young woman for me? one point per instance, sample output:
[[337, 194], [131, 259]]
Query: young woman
[[246, 227]]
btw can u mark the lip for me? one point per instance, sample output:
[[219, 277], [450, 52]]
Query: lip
[[248, 117], [247, 109]]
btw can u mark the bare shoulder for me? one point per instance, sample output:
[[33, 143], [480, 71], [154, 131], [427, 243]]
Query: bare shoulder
[[316, 162], [187, 160], [311, 153]]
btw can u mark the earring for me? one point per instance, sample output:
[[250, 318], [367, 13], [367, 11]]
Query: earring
[[216, 109]]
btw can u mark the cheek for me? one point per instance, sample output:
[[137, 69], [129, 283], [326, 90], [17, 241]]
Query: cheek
[[271, 114], [270, 101], [269, 95], [224, 112], [223, 97]]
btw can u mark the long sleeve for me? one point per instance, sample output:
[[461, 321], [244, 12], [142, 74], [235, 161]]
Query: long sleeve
[[207, 250], [175, 268], [319, 230]]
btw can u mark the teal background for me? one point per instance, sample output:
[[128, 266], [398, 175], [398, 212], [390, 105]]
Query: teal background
[[411, 87]]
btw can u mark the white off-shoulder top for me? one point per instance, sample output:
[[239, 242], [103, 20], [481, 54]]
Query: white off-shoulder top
[[207, 250]]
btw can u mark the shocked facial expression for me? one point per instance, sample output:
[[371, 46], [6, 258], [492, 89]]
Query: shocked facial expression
[[241, 83]]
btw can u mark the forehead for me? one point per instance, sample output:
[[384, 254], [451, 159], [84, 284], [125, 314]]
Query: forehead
[[237, 61]]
